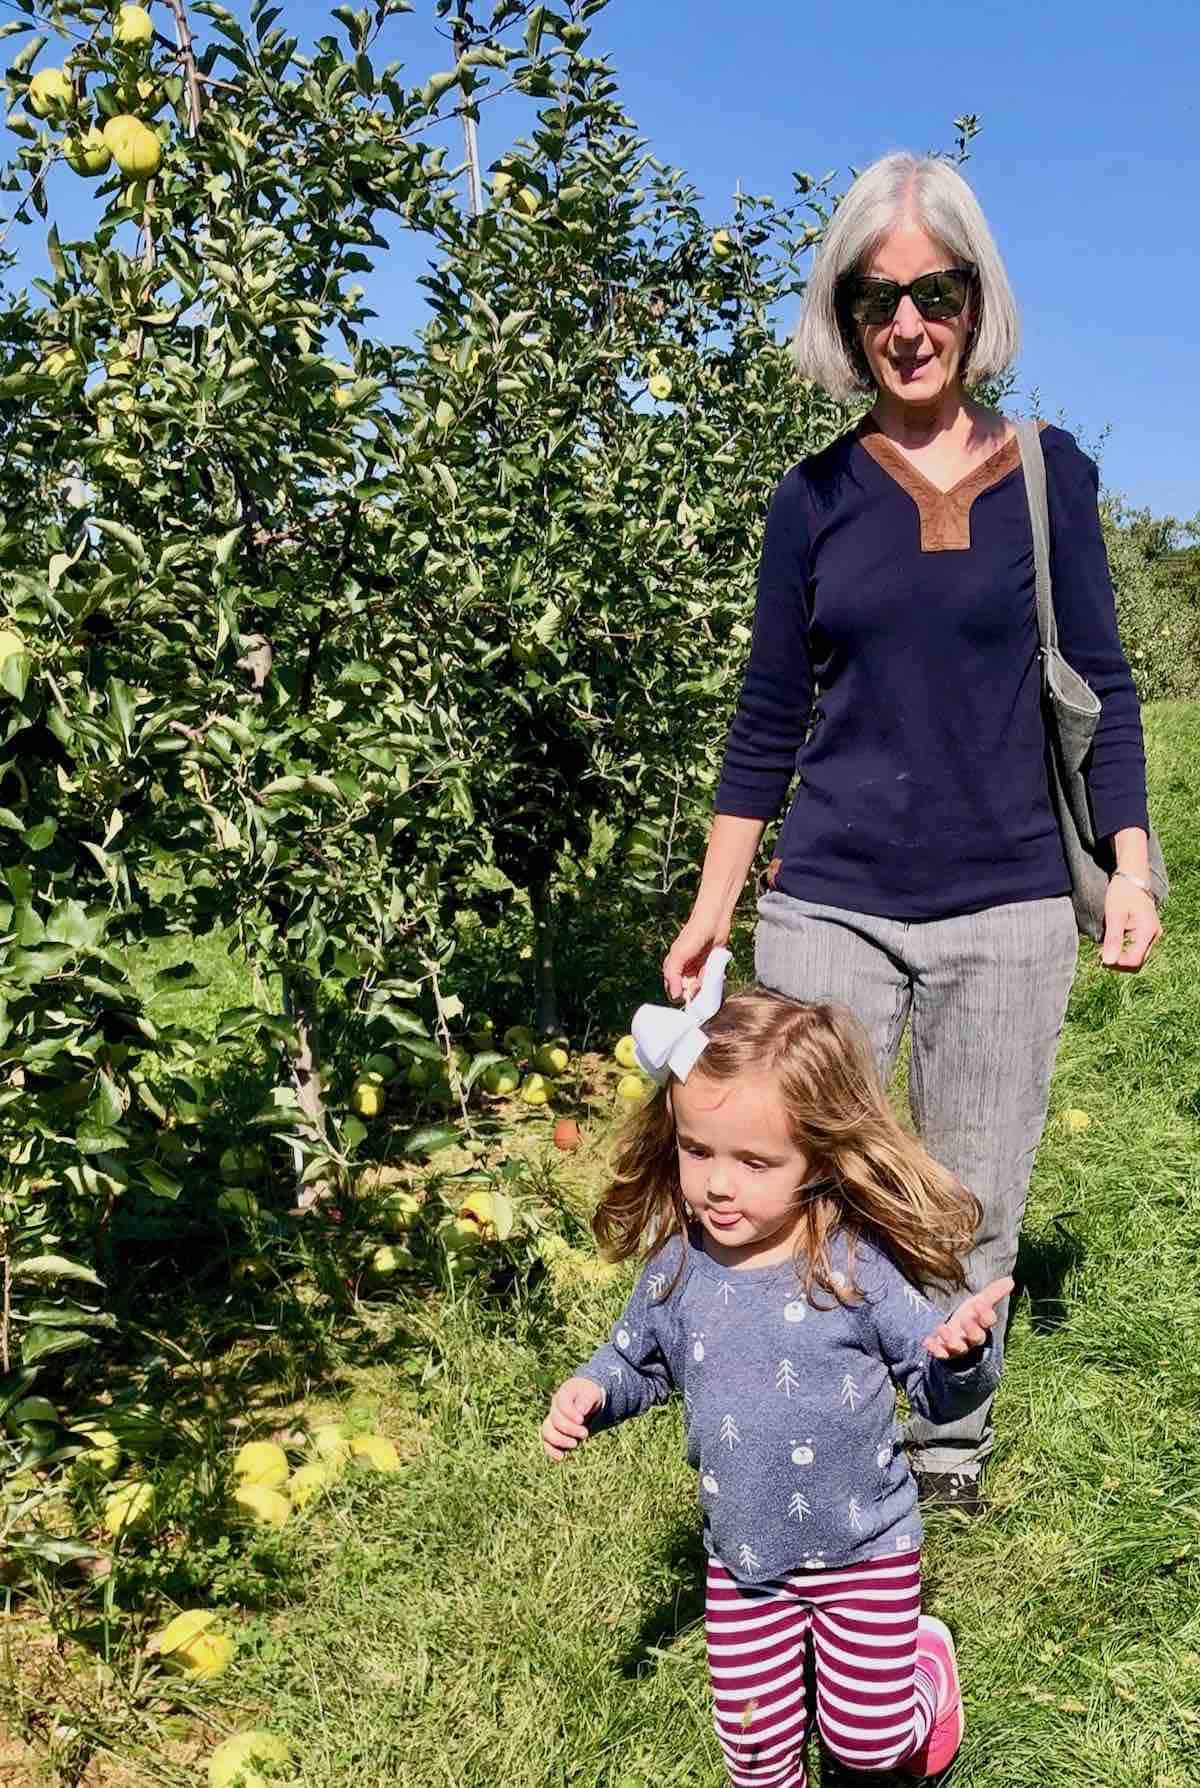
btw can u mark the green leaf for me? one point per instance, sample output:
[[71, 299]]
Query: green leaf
[[163, 1185], [13, 1387], [71, 923], [54, 1266], [14, 674], [429, 1140], [39, 1342], [180, 975], [125, 536], [480, 1065], [227, 542]]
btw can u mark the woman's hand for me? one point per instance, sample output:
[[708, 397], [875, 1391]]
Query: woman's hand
[[1131, 926], [969, 1325], [684, 962], [566, 1424]]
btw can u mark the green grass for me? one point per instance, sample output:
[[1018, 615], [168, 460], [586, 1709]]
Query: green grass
[[482, 1620]]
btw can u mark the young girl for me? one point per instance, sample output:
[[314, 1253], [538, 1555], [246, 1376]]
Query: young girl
[[790, 1225]]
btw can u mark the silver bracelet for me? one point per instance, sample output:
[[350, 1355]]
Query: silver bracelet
[[1146, 887]]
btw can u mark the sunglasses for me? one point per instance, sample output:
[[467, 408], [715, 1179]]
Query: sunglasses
[[939, 297]]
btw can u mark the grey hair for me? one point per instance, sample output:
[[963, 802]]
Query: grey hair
[[935, 193]]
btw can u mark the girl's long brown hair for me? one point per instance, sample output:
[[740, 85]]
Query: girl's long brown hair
[[869, 1177]]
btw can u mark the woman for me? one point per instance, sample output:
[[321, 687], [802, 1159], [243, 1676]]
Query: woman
[[919, 876]]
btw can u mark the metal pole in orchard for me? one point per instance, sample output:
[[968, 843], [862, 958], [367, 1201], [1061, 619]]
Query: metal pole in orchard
[[462, 43]]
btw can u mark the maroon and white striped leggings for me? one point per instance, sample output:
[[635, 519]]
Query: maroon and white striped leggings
[[875, 1703]]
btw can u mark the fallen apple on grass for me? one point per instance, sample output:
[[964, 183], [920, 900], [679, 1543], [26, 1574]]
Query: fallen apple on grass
[[266, 1507], [262, 1462], [376, 1451], [239, 1760], [191, 1646], [127, 1509], [633, 1088]]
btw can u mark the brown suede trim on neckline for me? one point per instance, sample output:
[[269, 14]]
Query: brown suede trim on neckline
[[945, 514]]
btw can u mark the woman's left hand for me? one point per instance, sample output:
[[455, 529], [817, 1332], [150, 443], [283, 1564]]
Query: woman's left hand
[[969, 1325], [1131, 926]]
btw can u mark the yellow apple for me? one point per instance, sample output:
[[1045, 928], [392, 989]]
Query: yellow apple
[[399, 1212], [50, 93], [189, 1645], [535, 1091], [552, 1059], [527, 201], [87, 155], [376, 1451], [135, 147], [502, 185], [103, 1453], [127, 1508], [367, 1096], [134, 27], [632, 1088], [331, 1441], [59, 364], [232, 1763], [480, 1209], [262, 1462], [270, 1508], [722, 245], [310, 1480], [1074, 1119], [625, 1053], [462, 1236], [661, 387]]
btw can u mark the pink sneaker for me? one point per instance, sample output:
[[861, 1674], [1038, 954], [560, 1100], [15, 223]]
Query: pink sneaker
[[935, 1655]]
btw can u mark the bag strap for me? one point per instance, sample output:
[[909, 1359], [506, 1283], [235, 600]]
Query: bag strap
[[1029, 440]]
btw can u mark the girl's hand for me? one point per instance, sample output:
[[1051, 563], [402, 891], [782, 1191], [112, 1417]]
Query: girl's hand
[[1131, 926], [570, 1407], [683, 965], [969, 1325]]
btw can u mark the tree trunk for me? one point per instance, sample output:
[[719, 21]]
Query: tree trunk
[[306, 1078], [546, 1020]]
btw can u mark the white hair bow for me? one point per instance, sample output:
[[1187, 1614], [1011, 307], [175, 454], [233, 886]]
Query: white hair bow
[[670, 1041]]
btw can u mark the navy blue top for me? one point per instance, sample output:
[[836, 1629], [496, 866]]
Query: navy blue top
[[895, 666]]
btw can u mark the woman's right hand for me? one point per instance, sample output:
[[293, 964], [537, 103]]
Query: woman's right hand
[[683, 965]]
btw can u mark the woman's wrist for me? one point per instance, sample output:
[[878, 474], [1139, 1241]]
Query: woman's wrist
[[1131, 851]]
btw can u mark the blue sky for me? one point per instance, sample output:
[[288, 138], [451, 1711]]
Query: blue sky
[[1087, 168]]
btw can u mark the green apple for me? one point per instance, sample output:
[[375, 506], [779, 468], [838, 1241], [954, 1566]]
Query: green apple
[[552, 1059], [661, 387], [50, 93], [87, 156], [501, 1079], [625, 1053], [134, 27], [535, 1091], [518, 1040], [632, 1088], [722, 245]]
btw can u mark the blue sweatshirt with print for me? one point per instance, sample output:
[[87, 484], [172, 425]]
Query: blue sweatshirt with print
[[789, 1402]]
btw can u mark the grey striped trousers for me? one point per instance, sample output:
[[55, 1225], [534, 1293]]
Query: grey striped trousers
[[985, 995]]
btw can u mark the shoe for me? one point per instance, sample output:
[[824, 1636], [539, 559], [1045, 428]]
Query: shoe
[[951, 1490], [935, 1653]]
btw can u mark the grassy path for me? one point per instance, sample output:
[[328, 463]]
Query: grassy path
[[483, 1620]]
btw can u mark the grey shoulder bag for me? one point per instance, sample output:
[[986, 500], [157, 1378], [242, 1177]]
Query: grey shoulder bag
[[1072, 712]]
